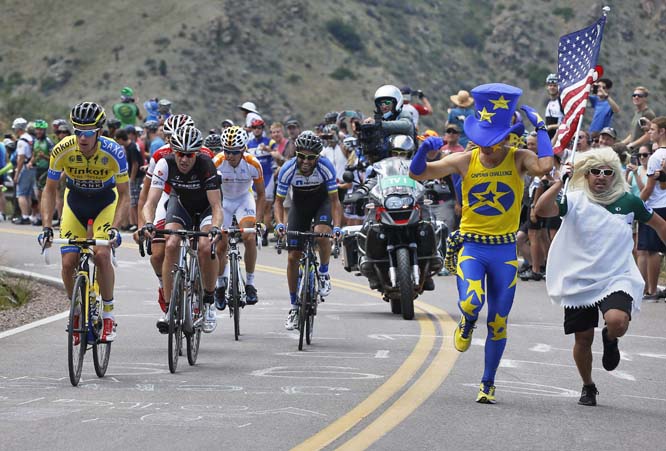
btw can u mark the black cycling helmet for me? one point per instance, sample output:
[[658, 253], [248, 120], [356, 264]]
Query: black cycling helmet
[[307, 140], [186, 139], [86, 114], [213, 142], [113, 123]]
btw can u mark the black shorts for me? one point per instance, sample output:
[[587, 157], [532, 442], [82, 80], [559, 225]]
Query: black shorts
[[553, 223], [177, 213], [301, 218], [648, 240], [538, 225], [585, 318]]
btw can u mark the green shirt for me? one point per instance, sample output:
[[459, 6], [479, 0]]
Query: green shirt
[[629, 206], [126, 113]]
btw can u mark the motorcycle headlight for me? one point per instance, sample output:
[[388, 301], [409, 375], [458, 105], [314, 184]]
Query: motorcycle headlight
[[393, 202], [407, 202]]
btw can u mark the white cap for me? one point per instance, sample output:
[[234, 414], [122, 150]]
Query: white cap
[[249, 106], [20, 123]]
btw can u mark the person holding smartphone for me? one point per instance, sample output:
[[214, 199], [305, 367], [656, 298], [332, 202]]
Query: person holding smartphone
[[602, 103]]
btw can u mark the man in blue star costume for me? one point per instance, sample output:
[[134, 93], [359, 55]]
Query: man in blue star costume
[[483, 251]]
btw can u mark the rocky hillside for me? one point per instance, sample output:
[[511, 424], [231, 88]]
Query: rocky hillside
[[304, 58]]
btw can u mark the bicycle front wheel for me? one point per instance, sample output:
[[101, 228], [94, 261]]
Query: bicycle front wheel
[[176, 321], [197, 306], [235, 294], [77, 335], [304, 297], [101, 350]]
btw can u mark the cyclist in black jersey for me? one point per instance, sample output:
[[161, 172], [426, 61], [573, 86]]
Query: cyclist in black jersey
[[195, 193]]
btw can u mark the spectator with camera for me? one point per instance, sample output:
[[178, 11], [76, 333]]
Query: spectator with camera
[[390, 119], [603, 104], [416, 110], [640, 122]]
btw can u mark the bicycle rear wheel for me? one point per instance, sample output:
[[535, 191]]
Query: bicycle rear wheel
[[194, 339], [101, 350], [235, 294], [77, 335], [176, 321]]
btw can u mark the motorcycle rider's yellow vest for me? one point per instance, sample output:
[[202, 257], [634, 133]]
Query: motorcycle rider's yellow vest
[[491, 198]]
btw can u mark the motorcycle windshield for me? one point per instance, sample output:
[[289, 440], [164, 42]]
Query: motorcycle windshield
[[393, 174]]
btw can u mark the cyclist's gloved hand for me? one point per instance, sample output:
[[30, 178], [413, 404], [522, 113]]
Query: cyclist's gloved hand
[[115, 237], [280, 229], [214, 232], [337, 231], [148, 230], [46, 236], [534, 117], [419, 162]]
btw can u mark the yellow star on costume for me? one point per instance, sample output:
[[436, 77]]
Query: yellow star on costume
[[500, 103], [468, 306], [486, 115], [513, 263], [499, 327], [475, 287], [461, 259], [490, 197]]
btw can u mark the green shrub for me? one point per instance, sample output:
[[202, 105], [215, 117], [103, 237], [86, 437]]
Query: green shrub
[[342, 73], [565, 13], [345, 34], [13, 292]]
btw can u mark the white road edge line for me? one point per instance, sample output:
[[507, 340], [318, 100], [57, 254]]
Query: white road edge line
[[41, 322]]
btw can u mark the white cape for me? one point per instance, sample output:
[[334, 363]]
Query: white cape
[[590, 257]]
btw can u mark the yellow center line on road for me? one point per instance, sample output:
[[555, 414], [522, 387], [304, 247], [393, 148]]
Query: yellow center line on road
[[394, 384], [433, 376]]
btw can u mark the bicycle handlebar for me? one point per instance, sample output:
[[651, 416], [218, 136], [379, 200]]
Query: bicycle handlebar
[[183, 234], [294, 233], [84, 242]]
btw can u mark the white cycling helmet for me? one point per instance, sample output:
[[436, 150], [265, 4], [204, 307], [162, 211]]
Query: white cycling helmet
[[20, 123], [389, 92], [187, 139], [176, 121], [234, 138]]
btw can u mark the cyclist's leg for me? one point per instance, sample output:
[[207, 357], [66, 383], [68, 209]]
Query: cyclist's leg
[[323, 223], [157, 246], [208, 266], [70, 227], [176, 218], [105, 275], [299, 219], [246, 215]]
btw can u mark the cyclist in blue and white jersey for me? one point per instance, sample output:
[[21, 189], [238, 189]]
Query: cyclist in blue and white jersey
[[315, 199]]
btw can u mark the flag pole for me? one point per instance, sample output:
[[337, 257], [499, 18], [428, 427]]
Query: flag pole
[[605, 10]]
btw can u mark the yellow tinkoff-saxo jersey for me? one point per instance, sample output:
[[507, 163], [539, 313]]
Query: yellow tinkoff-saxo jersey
[[491, 197]]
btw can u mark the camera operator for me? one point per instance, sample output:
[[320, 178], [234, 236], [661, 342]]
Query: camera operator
[[390, 117]]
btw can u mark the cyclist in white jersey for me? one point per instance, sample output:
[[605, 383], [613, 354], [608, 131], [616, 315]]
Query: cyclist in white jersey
[[240, 172]]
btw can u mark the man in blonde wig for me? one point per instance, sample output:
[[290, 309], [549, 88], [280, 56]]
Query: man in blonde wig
[[590, 265]]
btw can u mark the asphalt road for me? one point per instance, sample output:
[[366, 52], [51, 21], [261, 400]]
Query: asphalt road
[[369, 381]]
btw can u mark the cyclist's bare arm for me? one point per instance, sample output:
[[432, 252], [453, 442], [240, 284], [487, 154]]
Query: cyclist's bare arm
[[261, 200], [278, 209], [336, 209], [215, 201], [153, 197], [122, 208], [143, 195], [48, 201]]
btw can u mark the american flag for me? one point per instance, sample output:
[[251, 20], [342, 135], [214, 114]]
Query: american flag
[[577, 70]]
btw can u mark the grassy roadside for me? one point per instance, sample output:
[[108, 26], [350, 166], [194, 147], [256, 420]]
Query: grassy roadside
[[14, 292]]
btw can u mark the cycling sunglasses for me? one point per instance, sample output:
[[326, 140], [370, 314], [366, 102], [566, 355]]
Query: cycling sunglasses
[[306, 156], [232, 152], [606, 172], [86, 133], [186, 154]]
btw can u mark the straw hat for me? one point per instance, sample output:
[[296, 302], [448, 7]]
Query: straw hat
[[462, 99]]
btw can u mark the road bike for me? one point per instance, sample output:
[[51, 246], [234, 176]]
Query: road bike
[[86, 302], [236, 290], [308, 281], [186, 308]]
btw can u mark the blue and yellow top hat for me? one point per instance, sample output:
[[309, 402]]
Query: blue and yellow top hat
[[494, 108]]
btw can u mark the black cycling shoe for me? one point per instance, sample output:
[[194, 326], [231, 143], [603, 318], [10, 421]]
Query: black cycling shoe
[[611, 357], [220, 298], [429, 284], [163, 325], [588, 396], [251, 295]]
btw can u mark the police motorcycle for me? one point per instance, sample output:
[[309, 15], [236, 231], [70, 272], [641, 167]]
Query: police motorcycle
[[397, 248]]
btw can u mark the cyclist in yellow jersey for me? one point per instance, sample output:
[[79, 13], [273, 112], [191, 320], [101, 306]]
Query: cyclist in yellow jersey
[[97, 189], [492, 189]]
